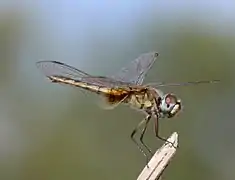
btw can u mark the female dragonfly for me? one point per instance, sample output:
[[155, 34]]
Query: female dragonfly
[[124, 88]]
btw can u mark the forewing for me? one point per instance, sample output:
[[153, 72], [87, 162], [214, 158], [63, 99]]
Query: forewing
[[136, 71], [58, 69], [180, 84], [55, 68]]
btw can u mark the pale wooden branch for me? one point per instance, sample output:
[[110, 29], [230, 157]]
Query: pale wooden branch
[[160, 160]]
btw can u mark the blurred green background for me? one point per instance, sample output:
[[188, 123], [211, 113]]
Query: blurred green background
[[49, 131]]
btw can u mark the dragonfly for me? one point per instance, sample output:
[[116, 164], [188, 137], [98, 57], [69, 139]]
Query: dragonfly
[[125, 87]]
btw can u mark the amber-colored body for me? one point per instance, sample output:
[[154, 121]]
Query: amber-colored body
[[139, 97], [124, 87]]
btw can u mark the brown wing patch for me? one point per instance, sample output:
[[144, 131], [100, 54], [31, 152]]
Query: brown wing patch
[[116, 95]]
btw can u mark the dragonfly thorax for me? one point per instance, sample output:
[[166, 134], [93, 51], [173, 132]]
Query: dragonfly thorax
[[169, 105], [142, 100]]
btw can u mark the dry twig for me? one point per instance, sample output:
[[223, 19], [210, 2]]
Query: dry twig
[[160, 160]]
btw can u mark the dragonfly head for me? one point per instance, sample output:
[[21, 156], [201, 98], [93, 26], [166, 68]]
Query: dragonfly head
[[169, 105]]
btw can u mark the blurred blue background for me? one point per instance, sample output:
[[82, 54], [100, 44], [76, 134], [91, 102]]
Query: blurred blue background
[[49, 131]]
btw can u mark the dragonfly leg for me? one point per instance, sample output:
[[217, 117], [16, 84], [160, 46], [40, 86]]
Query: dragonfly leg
[[156, 127], [147, 119], [135, 131]]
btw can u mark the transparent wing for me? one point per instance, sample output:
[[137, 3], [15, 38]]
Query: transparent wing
[[135, 72], [162, 84], [58, 69], [55, 68]]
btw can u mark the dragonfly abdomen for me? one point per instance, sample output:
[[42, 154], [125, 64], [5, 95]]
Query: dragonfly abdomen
[[80, 84], [113, 94]]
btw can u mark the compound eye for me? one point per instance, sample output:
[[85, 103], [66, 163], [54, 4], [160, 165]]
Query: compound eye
[[167, 105], [170, 99]]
